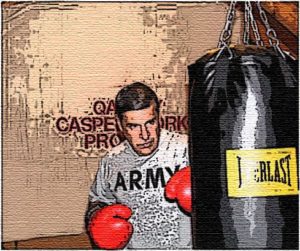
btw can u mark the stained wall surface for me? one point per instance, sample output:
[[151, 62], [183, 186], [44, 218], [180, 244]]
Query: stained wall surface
[[61, 57]]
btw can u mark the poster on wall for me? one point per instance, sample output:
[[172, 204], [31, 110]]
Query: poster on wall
[[150, 125]]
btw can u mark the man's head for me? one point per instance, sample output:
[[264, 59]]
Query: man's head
[[137, 108]]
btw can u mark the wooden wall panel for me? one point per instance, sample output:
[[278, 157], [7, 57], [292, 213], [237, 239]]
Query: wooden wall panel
[[58, 57]]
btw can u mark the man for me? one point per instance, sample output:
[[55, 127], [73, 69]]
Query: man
[[127, 203]]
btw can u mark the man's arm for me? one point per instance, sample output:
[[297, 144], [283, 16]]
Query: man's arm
[[106, 220], [100, 194], [178, 187]]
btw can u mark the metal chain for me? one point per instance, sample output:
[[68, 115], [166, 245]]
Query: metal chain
[[246, 34], [258, 40], [226, 33], [227, 30], [270, 32]]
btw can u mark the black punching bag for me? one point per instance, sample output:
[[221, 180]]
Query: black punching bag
[[243, 122]]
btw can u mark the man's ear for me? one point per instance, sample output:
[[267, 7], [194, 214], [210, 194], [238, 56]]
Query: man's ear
[[159, 121], [158, 117], [119, 128]]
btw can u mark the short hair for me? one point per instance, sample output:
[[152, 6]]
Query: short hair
[[136, 96]]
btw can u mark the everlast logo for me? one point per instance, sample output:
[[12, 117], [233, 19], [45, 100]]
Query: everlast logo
[[152, 179], [267, 171]]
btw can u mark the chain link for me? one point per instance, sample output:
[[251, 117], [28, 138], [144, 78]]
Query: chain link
[[226, 33], [270, 32], [254, 27], [227, 30], [246, 34]]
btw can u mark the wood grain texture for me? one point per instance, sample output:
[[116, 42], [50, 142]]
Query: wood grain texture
[[285, 13], [80, 241], [283, 18]]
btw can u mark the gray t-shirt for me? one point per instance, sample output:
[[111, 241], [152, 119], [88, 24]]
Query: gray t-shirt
[[138, 182]]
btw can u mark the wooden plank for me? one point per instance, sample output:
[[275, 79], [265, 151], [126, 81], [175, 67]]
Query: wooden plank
[[80, 241], [285, 13], [283, 18], [288, 40], [9, 245]]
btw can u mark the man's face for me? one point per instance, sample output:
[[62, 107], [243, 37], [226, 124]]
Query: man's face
[[141, 129]]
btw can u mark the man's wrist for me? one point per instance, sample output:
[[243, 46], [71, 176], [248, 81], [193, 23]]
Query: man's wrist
[[93, 207]]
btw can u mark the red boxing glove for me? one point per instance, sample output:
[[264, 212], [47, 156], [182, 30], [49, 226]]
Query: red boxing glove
[[109, 227], [179, 188]]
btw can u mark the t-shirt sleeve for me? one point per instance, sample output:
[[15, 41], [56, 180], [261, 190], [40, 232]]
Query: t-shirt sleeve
[[100, 190], [182, 151]]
